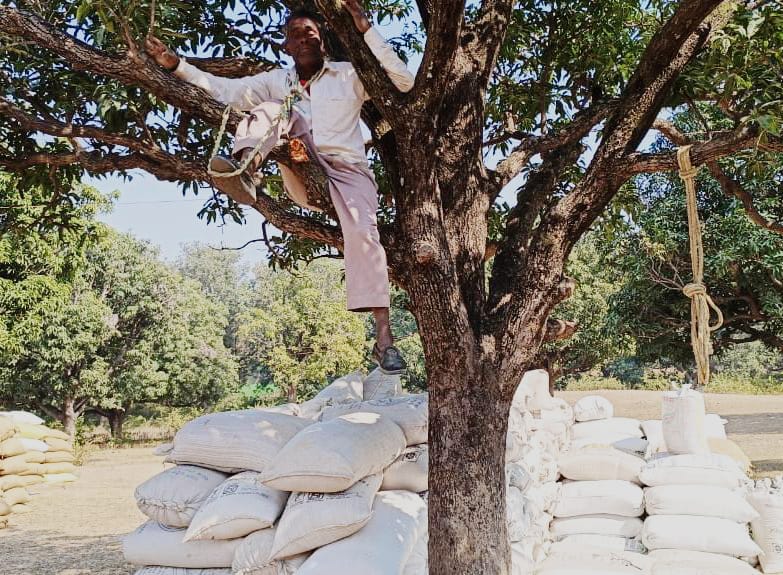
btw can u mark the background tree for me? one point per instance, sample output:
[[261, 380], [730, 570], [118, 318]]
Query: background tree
[[297, 334], [534, 83]]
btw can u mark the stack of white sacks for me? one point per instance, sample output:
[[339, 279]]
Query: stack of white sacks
[[30, 453], [696, 503], [334, 485], [539, 430]]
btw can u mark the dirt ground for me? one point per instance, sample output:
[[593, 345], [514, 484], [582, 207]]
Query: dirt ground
[[75, 529]]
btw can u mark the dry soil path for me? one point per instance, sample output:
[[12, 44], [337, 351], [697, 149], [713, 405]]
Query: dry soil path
[[75, 529]]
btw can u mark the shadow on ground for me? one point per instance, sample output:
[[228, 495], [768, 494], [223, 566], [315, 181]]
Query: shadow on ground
[[39, 552]]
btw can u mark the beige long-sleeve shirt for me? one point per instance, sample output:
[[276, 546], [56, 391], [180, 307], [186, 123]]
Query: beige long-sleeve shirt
[[333, 104]]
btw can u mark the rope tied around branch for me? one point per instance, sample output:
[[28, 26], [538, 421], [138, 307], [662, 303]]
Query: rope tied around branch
[[696, 291]]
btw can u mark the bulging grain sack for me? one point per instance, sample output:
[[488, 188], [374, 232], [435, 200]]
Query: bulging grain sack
[[715, 426], [347, 389], [12, 447], [418, 562], [16, 496], [559, 410], [58, 444], [629, 444], [613, 427], [286, 409], [707, 534], [730, 448], [608, 496], [235, 441], [536, 386], [58, 457], [768, 527], [156, 544], [28, 480], [237, 507], [600, 524], [607, 542], [311, 520], [709, 469], [332, 455], [10, 481], [410, 470], [683, 421], [382, 547], [32, 431], [34, 444], [378, 385], [588, 561], [593, 407], [700, 500], [20, 508], [409, 412], [179, 571], [22, 417], [59, 478], [5, 508], [518, 476], [54, 468], [519, 426], [7, 428], [24, 464], [596, 463], [681, 562], [252, 557], [172, 497], [518, 518]]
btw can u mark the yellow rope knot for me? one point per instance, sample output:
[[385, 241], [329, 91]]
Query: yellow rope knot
[[701, 303]]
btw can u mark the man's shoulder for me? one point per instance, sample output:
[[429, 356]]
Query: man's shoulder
[[336, 65]]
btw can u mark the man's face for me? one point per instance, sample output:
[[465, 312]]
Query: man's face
[[303, 42]]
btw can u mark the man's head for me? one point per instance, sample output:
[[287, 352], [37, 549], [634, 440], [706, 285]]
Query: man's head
[[304, 38]]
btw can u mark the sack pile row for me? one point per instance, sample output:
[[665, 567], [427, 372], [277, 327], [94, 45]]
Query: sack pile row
[[653, 498], [30, 453], [539, 431], [334, 485]]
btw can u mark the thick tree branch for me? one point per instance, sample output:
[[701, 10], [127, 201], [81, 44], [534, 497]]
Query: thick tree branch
[[531, 145], [559, 329], [237, 67]]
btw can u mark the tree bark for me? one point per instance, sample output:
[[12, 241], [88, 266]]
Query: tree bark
[[116, 419], [69, 415], [467, 500]]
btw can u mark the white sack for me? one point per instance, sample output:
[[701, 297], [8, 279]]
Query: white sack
[[715, 426], [154, 570], [683, 421], [518, 476], [34, 444], [708, 534], [286, 409], [519, 426], [627, 443], [22, 417], [607, 542], [594, 463], [708, 469], [609, 496], [410, 470], [518, 517], [418, 563], [347, 389], [600, 524], [252, 557], [378, 385], [172, 497], [680, 562], [588, 561], [332, 455], [237, 507], [156, 544], [536, 387], [410, 412], [593, 407], [614, 426], [311, 520], [558, 410], [700, 500], [768, 528], [235, 441], [382, 547]]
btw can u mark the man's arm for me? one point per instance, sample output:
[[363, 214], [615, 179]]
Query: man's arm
[[240, 93], [395, 68]]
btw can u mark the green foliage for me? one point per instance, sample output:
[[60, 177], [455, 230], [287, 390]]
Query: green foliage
[[591, 382], [296, 335]]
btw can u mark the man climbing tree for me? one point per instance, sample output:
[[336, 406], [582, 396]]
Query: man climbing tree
[[561, 94], [317, 102]]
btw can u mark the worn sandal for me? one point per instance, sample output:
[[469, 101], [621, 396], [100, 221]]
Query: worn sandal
[[390, 362]]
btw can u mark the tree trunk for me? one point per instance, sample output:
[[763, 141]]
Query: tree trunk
[[467, 498], [292, 393], [69, 416], [116, 420]]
